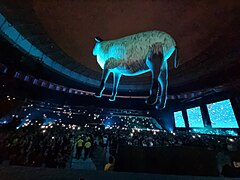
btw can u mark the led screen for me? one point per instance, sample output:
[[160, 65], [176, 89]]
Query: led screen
[[195, 117], [179, 121], [221, 115]]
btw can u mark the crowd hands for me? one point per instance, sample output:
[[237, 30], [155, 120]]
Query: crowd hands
[[54, 145]]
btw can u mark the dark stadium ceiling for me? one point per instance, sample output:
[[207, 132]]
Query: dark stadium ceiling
[[207, 34]]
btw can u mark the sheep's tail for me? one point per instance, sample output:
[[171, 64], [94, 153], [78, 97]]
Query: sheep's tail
[[176, 58]]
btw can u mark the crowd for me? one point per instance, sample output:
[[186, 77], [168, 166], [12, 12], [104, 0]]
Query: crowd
[[54, 145], [51, 146], [32, 146], [143, 138]]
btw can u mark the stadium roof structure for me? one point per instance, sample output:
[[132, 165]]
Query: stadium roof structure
[[61, 35]]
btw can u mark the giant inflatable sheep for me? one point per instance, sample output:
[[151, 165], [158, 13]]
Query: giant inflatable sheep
[[137, 54]]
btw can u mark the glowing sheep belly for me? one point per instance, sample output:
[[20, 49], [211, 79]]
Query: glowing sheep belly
[[131, 67]]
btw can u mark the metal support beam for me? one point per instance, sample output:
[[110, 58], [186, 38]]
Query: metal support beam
[[185, 117], [205, 115], [236, 108]]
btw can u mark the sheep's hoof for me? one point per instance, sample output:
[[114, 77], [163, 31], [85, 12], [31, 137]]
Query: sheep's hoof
[[98, 95], [151, 100], [112, 98], [160, 106]]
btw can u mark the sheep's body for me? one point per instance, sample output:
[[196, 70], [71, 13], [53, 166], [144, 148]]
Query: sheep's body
[[137, 54], [130, 53]]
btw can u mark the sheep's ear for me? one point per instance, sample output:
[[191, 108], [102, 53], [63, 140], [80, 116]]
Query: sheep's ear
[[98, 39]]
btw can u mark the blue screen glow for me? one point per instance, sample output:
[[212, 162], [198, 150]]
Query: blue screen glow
[[195, 117], [222, 132], [179, 121], [221, 115]]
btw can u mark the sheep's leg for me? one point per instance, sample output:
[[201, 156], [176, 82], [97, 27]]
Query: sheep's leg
[[154, 62], [116, 79], [105, 74], [163, 80]]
